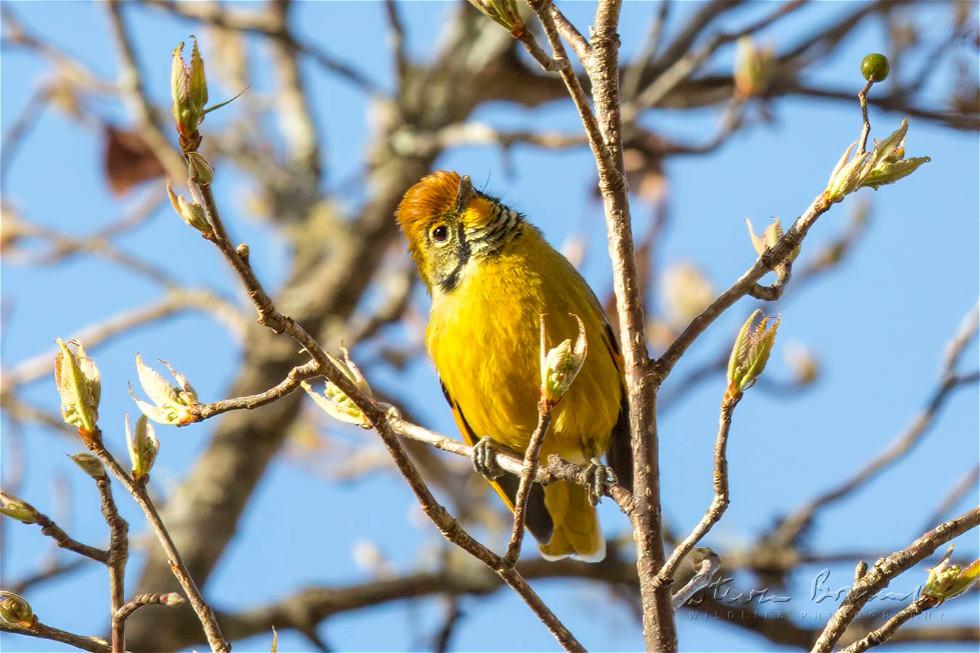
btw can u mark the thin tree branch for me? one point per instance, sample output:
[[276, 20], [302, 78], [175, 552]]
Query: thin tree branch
[[396, 39], [63, 540], [665, 577], [580, 45], [885, 569], [41, 631], [887, 630], [138, 490], [263, 23], [138, 601], [116, 559], [50, 572], [288, 385], [701, 579], [532, 456]]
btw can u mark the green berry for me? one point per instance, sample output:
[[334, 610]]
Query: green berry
[[875, 67]]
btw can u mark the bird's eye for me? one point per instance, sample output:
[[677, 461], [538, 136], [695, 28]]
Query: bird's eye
[[440, 234]]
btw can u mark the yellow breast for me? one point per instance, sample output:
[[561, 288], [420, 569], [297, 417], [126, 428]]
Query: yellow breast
[[483, 338]]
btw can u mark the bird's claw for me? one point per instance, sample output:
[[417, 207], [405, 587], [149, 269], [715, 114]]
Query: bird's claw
[[600, 477], [485, 459]]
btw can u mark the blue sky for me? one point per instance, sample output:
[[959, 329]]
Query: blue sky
[[879, 324]]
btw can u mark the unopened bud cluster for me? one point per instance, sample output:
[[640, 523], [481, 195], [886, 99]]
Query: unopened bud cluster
[[560, 365], [16, 611], [15, 508], [189, 91], [750, 353], [143, 447], [947, 580], [754, 68], [504, 13], [79, 387]]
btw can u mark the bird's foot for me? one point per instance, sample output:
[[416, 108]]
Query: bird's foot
[[600, 477], [484, 458]]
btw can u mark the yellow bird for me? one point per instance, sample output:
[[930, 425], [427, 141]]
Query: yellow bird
[[492, 276]]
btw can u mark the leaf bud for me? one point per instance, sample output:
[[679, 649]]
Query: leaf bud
[[947, 580], [504, 13], [143, 447], [770, 236], [79, 387], [199, 169], [750, 353], [560, 365], [90, 465], [189, 92], [16, 611], [191, 213], [18, 509]]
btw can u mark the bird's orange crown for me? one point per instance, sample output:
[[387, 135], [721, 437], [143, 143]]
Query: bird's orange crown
[[433, 197]]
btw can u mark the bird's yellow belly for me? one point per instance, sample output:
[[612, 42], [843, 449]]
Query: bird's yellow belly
[[483, 339]]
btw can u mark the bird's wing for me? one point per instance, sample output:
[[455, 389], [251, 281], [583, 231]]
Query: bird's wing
[[620, 454], [536, 518]]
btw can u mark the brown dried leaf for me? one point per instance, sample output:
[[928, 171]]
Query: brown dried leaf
[[128, 160]]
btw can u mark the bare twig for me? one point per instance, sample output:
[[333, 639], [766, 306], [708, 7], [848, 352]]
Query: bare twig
[[683, 67], [138, 601], [887, 630], [138, 490], [718, 504], [701, 579], [264, 23], [531, 457], [396, 38], [865, 123], [886, 569], [50, 572], [58, 534], [290, 384], [41, 631], [634, 71], [568, 31], [116, 559]]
